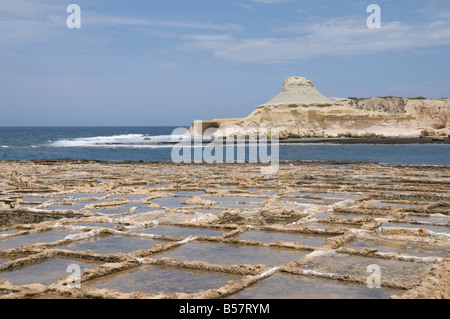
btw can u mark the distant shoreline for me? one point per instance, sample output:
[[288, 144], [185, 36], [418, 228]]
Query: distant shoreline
[[394, 140], [366, 140], [317, 140]]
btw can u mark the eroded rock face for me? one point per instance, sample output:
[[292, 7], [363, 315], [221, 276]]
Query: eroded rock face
[[300, 110], [430, 114], [389, 105], [298, 91]]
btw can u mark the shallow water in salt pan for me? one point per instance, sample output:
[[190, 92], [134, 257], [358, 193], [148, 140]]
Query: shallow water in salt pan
[[271, 237], [133, 197], [435, 220], [420, 249], [112, 211], [383, 204], [170, 202], [357, 265], [151, 280], [189, 193], [48, 237], [232, 255], [45, 273], [296, 287], [180, 232], [113, 244], [437, 229], [135, 204]]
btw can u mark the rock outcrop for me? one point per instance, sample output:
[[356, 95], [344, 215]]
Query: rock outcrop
[[300, 110], [298, 92]]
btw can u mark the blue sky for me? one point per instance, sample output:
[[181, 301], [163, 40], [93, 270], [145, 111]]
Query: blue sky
[[171, 62]]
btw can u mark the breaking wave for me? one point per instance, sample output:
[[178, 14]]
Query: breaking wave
[[124, 140]]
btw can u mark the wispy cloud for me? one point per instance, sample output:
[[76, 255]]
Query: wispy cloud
[[23, 23], [28, 9], [270, 1], [91, 19], [247, 7], [324, 38], [251, 7]]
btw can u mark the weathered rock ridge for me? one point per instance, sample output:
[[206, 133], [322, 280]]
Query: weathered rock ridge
[[300, 110]]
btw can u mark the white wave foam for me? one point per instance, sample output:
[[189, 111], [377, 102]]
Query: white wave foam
[[4, 146], [124, 140]]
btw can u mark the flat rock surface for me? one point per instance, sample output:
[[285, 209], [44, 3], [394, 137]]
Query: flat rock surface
[[225, 230]]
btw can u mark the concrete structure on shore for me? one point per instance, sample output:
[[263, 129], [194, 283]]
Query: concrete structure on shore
[[300, 110]]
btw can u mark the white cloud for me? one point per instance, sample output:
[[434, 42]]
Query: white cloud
[[250, 7], [246, 6], [28, 9], [270, 1], [326, 38], [24, 21], [91, 19]]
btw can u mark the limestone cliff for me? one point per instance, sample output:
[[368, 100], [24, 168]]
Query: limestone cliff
[[298, 92], [429, 113], [300, 110]]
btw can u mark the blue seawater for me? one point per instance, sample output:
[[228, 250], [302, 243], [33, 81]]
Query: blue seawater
[[156, 143]]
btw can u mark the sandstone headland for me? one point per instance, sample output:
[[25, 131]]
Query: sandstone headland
[[301, 111]]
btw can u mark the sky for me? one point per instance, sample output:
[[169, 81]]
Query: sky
[[168, 63]]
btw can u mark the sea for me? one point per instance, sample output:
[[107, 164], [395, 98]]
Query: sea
[[156, 144]]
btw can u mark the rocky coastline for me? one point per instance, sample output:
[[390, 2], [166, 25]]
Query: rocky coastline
[[300, 111]]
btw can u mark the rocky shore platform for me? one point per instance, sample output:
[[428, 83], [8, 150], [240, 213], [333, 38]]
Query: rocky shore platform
[[369, 140], [124, 230]]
